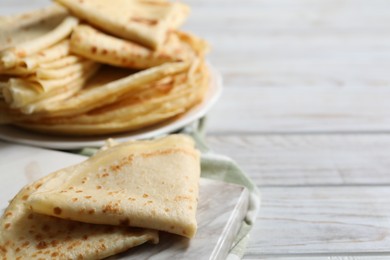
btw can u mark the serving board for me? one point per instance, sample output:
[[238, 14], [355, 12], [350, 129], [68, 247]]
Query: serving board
[[220, 211]]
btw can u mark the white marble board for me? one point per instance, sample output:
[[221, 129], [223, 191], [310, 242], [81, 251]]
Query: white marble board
[[220, 211]]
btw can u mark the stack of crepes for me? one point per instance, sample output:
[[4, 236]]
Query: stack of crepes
[[94, 67], [117, 199]]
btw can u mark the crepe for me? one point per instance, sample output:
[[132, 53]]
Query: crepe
[[150, 184], [62, 62], [151, 73], [108, 87], [22, 38], [19, 92], [57, 56], [51, 70], [143, 21], [54, 53], [169, 97], [135, 123], [95, 45], [36, 23], [27, 235]]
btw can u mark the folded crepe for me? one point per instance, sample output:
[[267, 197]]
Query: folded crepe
[[54, 57], [158, 101], [27, 34], [50, 70], [96, 45], [150, 184], [143, 21], [25, 234], [20, 92], [109, 86], [36, 23]]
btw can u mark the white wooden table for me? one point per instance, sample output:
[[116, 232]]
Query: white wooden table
[[306, 113]]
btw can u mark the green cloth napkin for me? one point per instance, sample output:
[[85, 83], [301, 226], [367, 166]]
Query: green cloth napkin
[[220, 167]]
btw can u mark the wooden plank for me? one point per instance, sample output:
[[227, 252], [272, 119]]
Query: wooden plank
[[321, 65], [322, 220], [302, 43], [287, 14], [301, 109], [297, 160], [327, 257]]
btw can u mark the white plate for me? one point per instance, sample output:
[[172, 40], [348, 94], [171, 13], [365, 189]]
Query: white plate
[[18, 135]]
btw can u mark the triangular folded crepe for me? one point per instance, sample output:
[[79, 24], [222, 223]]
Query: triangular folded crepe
[[28, 235], [142, 21], [95, 45], [151, 184], [25, 36]]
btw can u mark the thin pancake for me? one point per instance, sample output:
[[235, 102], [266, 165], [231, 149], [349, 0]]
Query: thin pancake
[[93, 44], [20, 92], [17, 29], [108, 87], [57, 56], [12, 56], [151, 184], [25, 234], [143, 21], [150, 106], [55, 52], [103, 128]]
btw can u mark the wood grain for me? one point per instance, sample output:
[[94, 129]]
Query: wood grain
[[298, 66], [383, 256], [311, 160], [322, 220], [304, 43], [301, 109]]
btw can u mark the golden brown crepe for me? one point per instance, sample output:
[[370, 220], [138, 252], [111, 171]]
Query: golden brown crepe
[[54, 53], [58, 68], [21, 28], [28, 235], [20, 92], [54, 89], [153, 103], [95, 45], [143, 21], [35, 57], [151, 184], [108, 87], [30, 33]]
